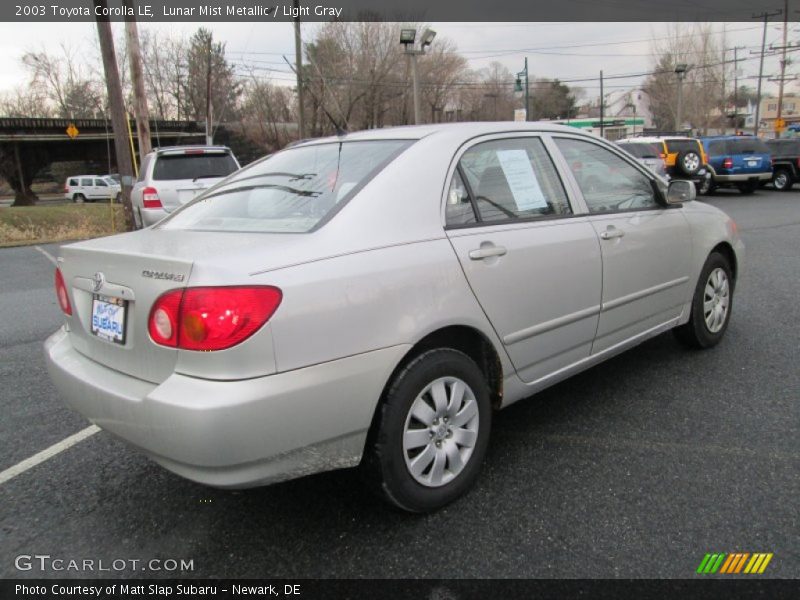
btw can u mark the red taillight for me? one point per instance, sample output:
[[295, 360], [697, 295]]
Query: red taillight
[[211, 318], [150, 198], [61, 293], [727, 163], [164, 318], [663, 157], [798, 163], [66, 189]]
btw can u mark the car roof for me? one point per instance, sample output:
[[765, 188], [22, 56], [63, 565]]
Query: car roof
[[652, 139], [175, 149], [465, 130]]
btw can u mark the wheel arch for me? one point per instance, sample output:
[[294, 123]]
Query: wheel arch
[[727, 251]]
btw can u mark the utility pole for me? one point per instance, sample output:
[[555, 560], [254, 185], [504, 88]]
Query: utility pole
[[778, 119], [602, 106], [117, 107], [298, 60], [209, 133], [736, 87], [140, 108], [765, 15], [415, 82]]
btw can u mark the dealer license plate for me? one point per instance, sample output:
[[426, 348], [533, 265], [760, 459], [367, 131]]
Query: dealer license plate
[[108, 318]]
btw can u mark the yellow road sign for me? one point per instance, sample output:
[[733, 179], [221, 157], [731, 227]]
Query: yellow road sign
[[72, 131], [780, 124]]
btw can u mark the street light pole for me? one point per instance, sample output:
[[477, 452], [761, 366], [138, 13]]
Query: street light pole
[[518, 87], [680, 71], [407, 38], [415, 79]]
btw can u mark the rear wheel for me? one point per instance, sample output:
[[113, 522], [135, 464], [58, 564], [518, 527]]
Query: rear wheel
[[782, 180], [79, 198], [747, 187], [430, 433], [705, 187], [711, 305], [137, 217]]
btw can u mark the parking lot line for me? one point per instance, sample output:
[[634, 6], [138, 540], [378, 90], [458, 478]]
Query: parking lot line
[[47, 453], [49, 256]]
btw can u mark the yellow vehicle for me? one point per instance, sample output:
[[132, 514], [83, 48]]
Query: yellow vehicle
[[684, 158]]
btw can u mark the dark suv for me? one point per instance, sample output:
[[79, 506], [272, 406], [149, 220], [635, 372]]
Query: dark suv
[[785, 163], [742, 161]]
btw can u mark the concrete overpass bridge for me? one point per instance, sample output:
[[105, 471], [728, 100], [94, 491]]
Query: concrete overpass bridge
[[28, 145]]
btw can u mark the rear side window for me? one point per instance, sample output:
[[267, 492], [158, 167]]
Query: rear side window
[[73, 182], [641, 150], [170, 167], [86, 182], [513, 179], [747, 145], [717, 148], [292, 191]]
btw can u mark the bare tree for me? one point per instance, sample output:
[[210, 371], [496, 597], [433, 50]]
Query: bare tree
[[702, 86]]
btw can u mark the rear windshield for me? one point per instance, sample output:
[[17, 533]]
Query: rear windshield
[[170, 167], [682, 145], [290, 192], [641, 150]]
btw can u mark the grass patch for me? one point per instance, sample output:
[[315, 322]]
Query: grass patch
[[23, 225]]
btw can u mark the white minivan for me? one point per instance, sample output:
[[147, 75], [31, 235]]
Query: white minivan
[[89, 188]]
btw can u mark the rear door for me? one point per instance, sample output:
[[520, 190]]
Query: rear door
[[646, 248], [532, 262]]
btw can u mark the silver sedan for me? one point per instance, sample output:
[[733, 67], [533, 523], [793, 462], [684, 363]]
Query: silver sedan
[[370, 299]]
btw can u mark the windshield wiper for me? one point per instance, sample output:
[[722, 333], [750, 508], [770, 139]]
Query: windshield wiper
[[285, 188]]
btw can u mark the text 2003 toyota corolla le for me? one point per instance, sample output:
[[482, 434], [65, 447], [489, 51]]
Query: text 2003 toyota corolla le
[[369, 299]]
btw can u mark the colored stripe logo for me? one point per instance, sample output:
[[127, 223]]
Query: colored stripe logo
[[735, 563]]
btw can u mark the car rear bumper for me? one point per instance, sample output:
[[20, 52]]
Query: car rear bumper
[[743, 177], [232, 433], [151, 216]]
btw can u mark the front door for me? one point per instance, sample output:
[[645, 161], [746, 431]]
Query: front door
[[646, 246]]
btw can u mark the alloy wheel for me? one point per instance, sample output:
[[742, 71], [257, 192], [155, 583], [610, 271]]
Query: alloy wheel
[[440, 432], [716, 299]]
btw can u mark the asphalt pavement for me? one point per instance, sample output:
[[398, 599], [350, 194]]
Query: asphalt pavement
[[635, 468]]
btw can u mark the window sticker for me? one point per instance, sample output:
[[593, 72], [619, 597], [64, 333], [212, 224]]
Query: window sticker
[[521, 179]]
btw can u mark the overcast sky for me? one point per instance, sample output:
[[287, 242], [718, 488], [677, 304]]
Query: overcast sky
[[568, 51]]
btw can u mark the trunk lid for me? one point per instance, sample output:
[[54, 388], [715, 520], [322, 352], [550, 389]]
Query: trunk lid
[[130, 277]]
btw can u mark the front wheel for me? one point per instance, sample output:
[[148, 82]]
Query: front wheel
[[711, 305], [430, 433]]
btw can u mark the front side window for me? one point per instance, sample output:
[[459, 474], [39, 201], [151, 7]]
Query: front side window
[[100, 183], [608, 183], [512, 179], [291, 191]]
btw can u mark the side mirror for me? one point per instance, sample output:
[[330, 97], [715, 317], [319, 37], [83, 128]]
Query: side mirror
[[680, 191]]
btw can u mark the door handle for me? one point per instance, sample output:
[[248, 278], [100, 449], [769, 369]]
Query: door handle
[[487, 252], [612, 232]]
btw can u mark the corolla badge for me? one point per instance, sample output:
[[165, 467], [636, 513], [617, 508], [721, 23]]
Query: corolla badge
[[99, 280]]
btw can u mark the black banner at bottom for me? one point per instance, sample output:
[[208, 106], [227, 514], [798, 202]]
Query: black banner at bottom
[[428, 589]]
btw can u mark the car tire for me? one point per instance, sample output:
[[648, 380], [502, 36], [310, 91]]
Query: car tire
[[705, 187], [137, 218], [747, 187], [79, 198], [782, 180], [712, 305], [418, 454], [688, 162], [118, 198]]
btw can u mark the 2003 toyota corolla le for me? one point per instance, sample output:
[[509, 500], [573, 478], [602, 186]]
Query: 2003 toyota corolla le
[[369, 299]]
